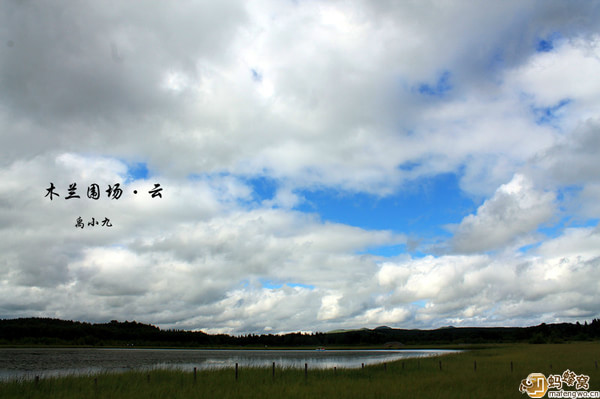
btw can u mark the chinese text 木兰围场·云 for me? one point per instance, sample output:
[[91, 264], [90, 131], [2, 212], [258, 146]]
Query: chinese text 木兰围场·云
[[94, 192]]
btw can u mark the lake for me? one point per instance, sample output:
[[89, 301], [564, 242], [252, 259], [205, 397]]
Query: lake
[[27, 363]]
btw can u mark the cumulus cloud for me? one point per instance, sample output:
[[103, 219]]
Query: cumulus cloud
[[554, 284], [176, 260], [354, 97], [515, 209], [344, 89]]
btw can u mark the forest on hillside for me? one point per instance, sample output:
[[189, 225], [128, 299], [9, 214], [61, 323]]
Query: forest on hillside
[[46, 331]]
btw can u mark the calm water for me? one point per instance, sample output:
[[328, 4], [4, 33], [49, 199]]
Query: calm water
[[45, 362]]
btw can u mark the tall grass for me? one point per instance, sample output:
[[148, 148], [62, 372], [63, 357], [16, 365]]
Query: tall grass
[[480, 373]]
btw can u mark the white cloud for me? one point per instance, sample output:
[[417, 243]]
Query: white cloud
[[581, 243], [330, 307], [550, 77], [382, 316], [355, 96], [167, 260], [516, 208], [342, 82], [558, 283]]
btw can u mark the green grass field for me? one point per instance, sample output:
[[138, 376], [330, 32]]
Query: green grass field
[[477, 373]]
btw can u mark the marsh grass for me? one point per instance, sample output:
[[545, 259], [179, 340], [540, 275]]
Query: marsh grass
[[478, 373]]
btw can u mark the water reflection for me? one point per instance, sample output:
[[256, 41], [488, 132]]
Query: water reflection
[[46, 362]]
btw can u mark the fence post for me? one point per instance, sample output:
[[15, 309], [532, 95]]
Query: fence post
[[305, 370], [236, 371], [273, 370], [194, 375], [440, 365], [362, 366]]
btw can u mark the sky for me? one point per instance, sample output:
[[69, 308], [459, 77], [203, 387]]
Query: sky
[[273, 166]]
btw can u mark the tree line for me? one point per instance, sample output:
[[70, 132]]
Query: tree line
[[47, 331]]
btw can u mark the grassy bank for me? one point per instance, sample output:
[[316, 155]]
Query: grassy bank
[[480, 373]]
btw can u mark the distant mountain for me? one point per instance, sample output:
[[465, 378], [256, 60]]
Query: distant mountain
[[383, 328], [45, 331], [341, 330]]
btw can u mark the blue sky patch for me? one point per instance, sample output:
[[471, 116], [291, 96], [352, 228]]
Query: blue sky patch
[[567, 193], [545, 45], [555, 230], [263, 187], [265, 283], [420, 303], [526, 248], [308, 286], [385, 250], [137, 171], [441, 87], [256, 76], [423, 207], [550, 115], [409, 166]]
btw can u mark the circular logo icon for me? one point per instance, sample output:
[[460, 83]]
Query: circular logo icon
[[535, 385]]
